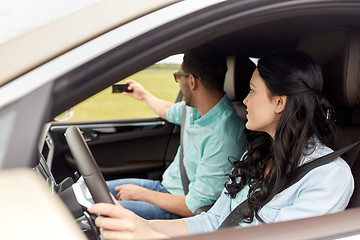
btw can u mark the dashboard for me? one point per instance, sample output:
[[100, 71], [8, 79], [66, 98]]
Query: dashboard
[[43, 170], [46, 150], [72, 190]]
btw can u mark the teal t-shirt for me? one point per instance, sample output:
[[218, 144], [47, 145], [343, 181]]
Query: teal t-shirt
[[208, 142]]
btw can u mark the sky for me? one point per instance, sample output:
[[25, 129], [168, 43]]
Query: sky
[[20, 16]]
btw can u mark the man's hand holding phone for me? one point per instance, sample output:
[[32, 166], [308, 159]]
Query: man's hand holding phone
[[134, 89], [120, 88]]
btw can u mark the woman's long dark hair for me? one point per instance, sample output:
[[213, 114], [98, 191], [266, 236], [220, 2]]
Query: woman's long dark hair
[[306, 115]]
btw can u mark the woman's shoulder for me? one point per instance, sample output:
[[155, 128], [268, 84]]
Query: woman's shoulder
[[315, 150], [337, 165]]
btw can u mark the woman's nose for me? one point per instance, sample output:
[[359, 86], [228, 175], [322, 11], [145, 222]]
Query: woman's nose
[[245, 101]]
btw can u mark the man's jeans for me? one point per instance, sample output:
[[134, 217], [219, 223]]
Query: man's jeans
[[143, 209]]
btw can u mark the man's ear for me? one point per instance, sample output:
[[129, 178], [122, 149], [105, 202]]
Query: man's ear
[[280, 102], [194, 84]]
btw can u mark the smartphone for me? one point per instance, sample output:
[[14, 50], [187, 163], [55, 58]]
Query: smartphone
[[119, 88]]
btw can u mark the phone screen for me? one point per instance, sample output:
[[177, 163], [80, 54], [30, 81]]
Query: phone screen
[[119, 88]]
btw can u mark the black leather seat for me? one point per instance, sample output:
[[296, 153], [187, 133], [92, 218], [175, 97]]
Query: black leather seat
[[338, 52]]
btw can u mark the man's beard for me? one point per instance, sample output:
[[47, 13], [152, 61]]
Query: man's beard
[[187, 95], [188, 100]]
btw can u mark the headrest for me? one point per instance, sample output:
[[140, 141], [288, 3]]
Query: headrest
[[338, 53], [238, 75]]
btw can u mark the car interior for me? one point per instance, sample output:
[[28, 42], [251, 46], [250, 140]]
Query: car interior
[[115, 144], [339, 59]]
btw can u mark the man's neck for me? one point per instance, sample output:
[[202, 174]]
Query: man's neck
[[207, 101]]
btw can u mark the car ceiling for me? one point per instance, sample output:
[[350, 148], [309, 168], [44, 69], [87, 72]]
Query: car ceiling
[[279, 34]]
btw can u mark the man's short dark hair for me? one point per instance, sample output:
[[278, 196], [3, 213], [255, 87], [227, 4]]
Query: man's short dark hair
[[208, 64]]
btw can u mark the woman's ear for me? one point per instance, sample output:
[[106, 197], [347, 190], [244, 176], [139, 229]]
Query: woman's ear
[[280, 102]]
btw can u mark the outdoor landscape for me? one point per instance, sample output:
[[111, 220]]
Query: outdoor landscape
[[106, 105]]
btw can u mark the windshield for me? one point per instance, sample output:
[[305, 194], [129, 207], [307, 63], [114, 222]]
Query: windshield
[[18, 17]]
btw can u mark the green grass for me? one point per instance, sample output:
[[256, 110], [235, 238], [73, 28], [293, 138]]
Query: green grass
[[106, 105]]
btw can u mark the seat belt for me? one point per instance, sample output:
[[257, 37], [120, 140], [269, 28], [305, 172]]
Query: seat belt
[[238, 214], [184, 178]]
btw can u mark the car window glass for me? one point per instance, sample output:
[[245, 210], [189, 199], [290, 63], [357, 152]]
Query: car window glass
[[106, 105]]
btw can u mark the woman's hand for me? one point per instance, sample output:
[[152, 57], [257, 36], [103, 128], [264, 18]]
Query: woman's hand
[[116, 222]]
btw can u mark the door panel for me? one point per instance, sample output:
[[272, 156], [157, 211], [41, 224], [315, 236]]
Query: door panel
[[125, 148]]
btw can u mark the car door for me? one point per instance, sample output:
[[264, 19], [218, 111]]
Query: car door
[[124, 148], [137, 147]]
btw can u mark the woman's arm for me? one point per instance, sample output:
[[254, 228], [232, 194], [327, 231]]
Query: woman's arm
[[324, 190], [171, 228], [121, 223]]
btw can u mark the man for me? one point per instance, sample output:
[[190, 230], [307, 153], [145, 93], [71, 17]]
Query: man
[[213, 133]]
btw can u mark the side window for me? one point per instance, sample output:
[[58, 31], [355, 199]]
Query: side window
[[106, 105]]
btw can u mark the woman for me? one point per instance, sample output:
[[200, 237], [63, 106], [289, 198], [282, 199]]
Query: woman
[[290, 125]]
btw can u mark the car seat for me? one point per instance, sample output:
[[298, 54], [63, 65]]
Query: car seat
[[338, 53], [240, 70]]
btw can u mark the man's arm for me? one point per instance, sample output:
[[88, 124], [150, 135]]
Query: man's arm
[[159, 106], [169, 202]]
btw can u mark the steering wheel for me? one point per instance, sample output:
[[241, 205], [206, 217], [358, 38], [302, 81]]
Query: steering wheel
[[87, 166]]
